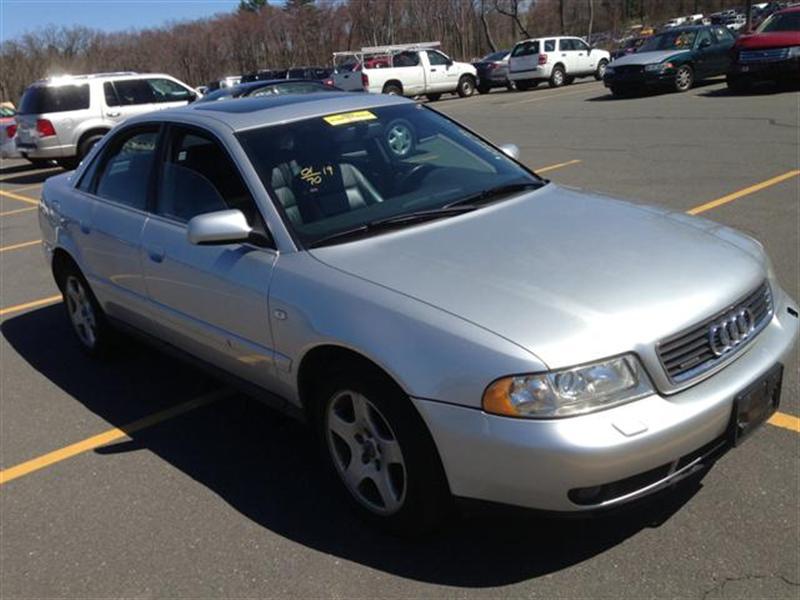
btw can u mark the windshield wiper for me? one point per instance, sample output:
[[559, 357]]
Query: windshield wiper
[[391, 223], [493, 194]]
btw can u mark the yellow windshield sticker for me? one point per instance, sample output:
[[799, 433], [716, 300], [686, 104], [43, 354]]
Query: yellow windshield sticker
[[351, 117]]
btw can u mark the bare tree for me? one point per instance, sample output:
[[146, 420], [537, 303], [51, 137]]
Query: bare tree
[[510, 8]]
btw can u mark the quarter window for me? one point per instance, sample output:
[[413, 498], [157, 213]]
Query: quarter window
[[199, 177], [125, 169], [550, 46]]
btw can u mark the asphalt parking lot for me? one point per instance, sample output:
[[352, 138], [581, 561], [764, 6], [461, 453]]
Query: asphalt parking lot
[[142, 477]]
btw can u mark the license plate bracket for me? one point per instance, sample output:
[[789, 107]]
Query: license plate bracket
[[755, 404]]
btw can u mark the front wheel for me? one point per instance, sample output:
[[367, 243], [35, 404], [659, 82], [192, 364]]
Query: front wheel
[[88, 321], [466, 86], [684, 78], [381, 452], [601, 70]]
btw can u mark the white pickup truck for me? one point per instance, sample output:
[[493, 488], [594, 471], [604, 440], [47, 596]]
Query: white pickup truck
[[407, 70]]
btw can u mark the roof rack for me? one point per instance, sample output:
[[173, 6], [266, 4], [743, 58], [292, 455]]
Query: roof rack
[[91, 75], [390, 49]]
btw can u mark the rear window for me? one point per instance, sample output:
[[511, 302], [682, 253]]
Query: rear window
[[526, 49], [40, 99]]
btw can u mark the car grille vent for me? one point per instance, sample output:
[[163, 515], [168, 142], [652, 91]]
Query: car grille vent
[[758, 56], [715, 340]]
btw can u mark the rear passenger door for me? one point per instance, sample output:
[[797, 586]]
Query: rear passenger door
[[127, 97], [209, 300], [117, 186]]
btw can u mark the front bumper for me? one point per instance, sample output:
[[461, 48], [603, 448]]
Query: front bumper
[[537, 463], [777, 70], [639, 79]]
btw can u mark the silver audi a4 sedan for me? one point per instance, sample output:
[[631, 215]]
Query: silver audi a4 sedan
[[451, 324]]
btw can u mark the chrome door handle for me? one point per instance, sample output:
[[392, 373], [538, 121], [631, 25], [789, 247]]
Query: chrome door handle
[[113, 114], [433, 70]]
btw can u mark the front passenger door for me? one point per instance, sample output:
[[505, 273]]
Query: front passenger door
[[209, 300]]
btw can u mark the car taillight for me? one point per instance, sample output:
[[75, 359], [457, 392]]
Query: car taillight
[[327, 82], [543, 59], [364, 80], [45, 128], [11, 131]]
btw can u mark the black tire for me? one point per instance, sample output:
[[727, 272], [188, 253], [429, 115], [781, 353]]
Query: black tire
[[484, 89], [557, 77], [466, 86], [392, 89], [684, 78], [509, 87], [601, 70], [425, 496], [433, 97], [87, 144], [72, 284], [40, 163]]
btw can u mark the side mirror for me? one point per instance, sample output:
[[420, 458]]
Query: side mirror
[[510, 150], [705, 43], [449, 62], [221, 227]]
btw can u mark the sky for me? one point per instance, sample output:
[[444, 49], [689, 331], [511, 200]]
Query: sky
[[19, 16]]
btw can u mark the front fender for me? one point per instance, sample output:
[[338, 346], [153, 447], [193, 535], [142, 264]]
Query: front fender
[[430, 353]]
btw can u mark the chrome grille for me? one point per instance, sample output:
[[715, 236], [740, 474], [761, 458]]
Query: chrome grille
[[759, 56], [698, 349]]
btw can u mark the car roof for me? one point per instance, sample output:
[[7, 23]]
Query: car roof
[[262, 111], [550, 37], [789, 9]]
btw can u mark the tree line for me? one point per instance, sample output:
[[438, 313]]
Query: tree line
[[306, 32]]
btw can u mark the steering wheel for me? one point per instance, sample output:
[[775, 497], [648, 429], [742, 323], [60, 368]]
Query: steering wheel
[[415, 172]]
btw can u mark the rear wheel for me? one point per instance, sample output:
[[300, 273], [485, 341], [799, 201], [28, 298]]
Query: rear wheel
[[392, 89], [88, 321], [684, 78], [557, 77], [381, 453], [466, 86], [601, 70]]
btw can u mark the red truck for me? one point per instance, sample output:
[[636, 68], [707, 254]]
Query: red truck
[[771, 53]]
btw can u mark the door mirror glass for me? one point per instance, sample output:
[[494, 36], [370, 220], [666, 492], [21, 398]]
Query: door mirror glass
[[510, 150], [705, 43], [221, 227]]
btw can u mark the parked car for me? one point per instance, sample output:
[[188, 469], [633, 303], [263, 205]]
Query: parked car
[[676, 22], [62, 118], [772, 53], [8, 129], [401, 299], [557, 60], [276, 87], [265, 75], [674, 59], [324, 74], [407, 70], [493, 71], [736, 23]]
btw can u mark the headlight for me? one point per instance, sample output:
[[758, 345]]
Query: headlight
[[794, 51], [659, 67], [569, 392]]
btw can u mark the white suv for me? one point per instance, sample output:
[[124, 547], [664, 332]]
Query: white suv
[[61, 118], [558, 60]]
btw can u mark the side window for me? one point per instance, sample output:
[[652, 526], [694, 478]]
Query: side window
[[722, 34], [550, 46], [199, 177], [134, 91], [166, 90], [703, 35], [125, 167], [564, 45], [406, 59], [526, 49], [110, 94], [580, 45], [437, 58]]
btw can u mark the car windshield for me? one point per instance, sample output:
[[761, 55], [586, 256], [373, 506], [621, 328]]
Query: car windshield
[[495, 56], [789, 21], [221, 94], [290, 87], [338, 172], [672, 40]]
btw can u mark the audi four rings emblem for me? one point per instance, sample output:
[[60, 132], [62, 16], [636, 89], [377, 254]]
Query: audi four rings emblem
[[730, 331]]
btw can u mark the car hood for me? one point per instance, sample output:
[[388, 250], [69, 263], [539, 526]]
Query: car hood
[[773, 39], [569, 276], [647, 58]]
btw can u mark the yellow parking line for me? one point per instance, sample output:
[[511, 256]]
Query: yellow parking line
[[557, 166], [20, 245], [789, 422], [34, 304], [38, 172], [548, 96], [95, 441], [16, 211], [746, 191], [19, 197], [27, 187]]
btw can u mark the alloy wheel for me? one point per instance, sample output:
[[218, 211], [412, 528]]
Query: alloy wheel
[[399, 139], [81, 312], [366, 453], [683, 79]]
